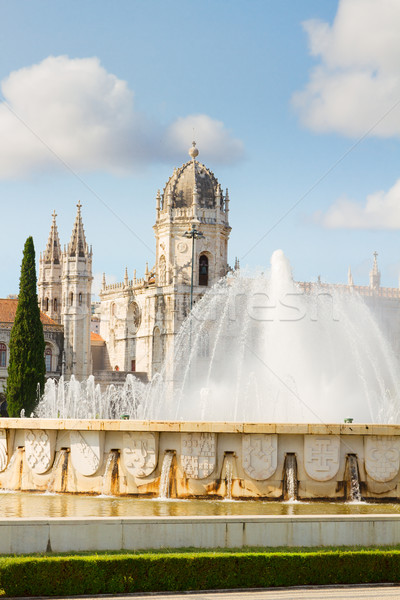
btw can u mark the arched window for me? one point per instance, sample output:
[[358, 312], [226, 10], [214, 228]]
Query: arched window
[[3, 355], [203, 270], [48, 355], [80, 299], [55, 304], [71, 299], [46, 304]]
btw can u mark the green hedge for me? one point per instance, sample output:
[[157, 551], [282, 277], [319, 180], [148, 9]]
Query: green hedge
[[79, 575]]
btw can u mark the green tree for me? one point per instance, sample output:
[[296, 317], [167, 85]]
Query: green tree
[[26, 370]]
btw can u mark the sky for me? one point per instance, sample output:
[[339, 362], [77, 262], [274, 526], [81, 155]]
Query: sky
[[295, 106]]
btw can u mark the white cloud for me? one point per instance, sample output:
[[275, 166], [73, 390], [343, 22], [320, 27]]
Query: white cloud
[[381, 210], [357, 80], [86, 116]]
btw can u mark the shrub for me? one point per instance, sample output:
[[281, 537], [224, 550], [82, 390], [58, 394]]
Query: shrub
[[122, 574]]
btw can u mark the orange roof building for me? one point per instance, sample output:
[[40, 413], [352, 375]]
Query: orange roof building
[[53, 337]]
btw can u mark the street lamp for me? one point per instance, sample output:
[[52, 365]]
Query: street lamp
[[195, 235]]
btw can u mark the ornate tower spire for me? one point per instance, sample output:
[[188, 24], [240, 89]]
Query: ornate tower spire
[[49, 282], [78, 246], [52, 254], [375, 274]]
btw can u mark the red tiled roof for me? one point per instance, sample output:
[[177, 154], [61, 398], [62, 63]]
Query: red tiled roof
[[8, 308], [95, 337]]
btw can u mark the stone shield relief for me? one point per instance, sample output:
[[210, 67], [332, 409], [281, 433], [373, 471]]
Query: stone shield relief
[[259, 454], [39, 449], [382, 457], [321, 456], [87, 451], [3, 450], [140, 453], [198, 454]]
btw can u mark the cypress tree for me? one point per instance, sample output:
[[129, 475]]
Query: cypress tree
[[26, 368]]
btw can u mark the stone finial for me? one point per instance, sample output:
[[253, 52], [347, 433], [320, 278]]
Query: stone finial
[[104, 283], [126, 280], [226, 201], [158, 201], [350, 277], [169, 198], [134, 277], [146, 271], [193, 151], [375, 275]]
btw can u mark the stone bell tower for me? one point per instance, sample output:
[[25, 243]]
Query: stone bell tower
[[76, 301], [49, 282], [192, 196]]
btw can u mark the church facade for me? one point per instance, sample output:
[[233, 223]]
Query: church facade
[[65, 294], [141, 317], [137, 320]]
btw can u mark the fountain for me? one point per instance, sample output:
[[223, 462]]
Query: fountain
[[259, 349], [272, 369]]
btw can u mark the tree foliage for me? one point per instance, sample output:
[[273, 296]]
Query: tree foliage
[[26, 370]]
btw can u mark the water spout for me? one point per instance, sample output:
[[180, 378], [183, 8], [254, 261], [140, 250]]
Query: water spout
[[15, 468], [227, 471], [110, 484], [353, 492], [319, 341], [58, 478], [165, 477], [290, 484]]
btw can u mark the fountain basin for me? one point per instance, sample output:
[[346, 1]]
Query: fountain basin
[[22, 536], [205, 459]]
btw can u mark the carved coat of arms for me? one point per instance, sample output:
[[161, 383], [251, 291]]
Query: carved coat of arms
[[39, 449], [3, 450], [259, 454], [382, 457], [87, 451], [140, 453], [198, 454], [321, 456]]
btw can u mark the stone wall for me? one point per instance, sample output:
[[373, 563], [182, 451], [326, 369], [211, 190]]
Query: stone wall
[[213, 460], [71, 534]]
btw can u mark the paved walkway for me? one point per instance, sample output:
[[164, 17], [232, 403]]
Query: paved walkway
[[325, 593]]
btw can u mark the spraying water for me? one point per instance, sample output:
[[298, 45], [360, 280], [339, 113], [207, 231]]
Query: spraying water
[[257, 348]]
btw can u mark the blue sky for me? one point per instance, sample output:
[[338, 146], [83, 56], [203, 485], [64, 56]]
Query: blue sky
[[294, 107]]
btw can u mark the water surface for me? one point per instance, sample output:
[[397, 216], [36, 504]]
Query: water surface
[[31, 505]]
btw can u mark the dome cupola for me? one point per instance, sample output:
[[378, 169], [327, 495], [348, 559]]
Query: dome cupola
[[192, 178]]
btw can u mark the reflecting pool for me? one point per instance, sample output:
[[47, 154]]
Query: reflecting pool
[[36, 505]]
